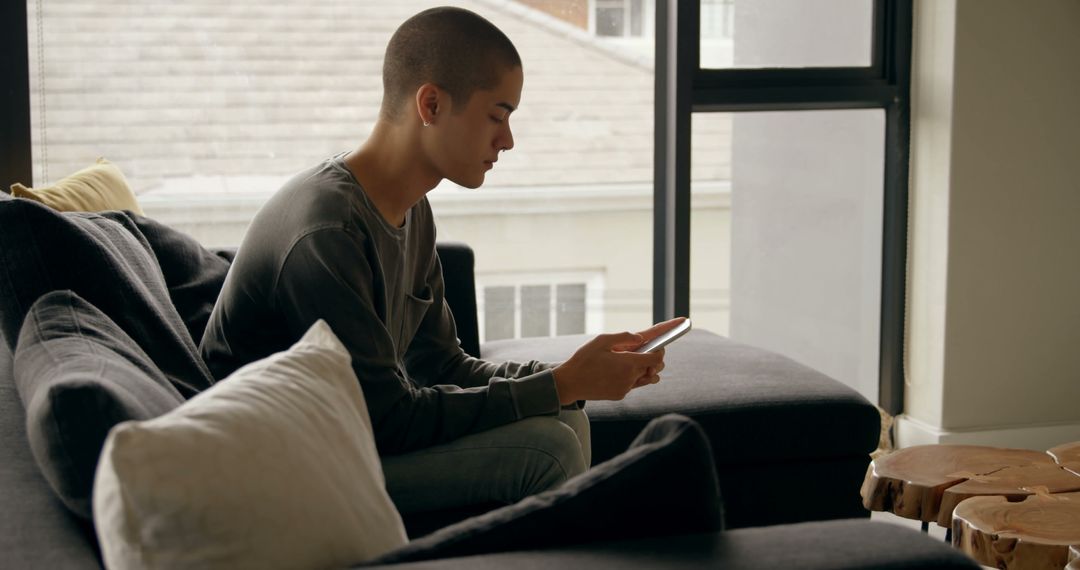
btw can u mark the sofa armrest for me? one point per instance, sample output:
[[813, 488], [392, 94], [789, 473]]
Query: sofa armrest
[[458, 266]]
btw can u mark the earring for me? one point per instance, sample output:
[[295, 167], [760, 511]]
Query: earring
[[427, 124]]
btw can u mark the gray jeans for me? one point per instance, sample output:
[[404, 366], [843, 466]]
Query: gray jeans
[[501, 465]]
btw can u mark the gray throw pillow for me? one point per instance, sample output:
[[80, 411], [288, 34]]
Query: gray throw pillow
[[664, 484], [78, 375], [193, 274], [105, 259]]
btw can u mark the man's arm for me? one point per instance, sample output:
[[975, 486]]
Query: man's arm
[[435, 356], [600, 369], [327, 275]]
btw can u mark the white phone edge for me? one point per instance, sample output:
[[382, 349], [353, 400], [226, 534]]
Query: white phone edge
[[666, 338]]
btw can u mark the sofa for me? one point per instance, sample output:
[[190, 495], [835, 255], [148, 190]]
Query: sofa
[[787, 445]]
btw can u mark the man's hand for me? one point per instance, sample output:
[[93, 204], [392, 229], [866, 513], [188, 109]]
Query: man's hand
[[653, 376], [606, 368]]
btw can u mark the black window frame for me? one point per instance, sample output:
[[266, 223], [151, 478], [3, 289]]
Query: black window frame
[[683, 88]]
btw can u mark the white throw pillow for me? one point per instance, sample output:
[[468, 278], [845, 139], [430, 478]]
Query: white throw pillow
[[273, 467]]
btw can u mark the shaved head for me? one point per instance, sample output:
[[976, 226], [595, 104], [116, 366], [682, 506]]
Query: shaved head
[[453, 48]]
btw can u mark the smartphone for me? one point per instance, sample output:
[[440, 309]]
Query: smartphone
[[666, 338]]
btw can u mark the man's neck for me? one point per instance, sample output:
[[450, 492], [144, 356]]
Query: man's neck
[[387, 167]]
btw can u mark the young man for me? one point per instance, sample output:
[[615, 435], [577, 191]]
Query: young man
[[352, 241]]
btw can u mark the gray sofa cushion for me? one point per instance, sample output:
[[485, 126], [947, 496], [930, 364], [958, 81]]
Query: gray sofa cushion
[[664, 484], [79, 375], [36, 531], [756, 406], [106, 260]]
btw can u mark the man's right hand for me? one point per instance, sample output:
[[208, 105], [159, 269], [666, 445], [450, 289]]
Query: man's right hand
[[605, 369]]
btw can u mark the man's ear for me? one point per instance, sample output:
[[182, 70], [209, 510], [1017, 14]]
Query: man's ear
[[429, 101]]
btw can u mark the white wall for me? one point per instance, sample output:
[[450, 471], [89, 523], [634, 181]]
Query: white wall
[[994, 318]]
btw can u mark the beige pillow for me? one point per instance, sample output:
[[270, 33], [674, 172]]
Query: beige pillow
[[273, 467], [94, 189]]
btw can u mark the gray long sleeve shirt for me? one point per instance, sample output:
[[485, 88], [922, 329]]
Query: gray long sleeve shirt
[[319, 249]]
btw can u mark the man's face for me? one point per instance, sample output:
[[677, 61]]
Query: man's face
[[470, 139]]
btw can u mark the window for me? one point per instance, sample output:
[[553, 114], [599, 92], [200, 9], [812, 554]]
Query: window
[[540, 305], [208, 110], [621, 18], [800, 241], [784, 34], [811, 101], [717, 19]]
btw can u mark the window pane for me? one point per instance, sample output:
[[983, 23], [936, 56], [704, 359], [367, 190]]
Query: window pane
[[710, 222], [791, 260], [570, 309], [636, 17], [208, 110], [717, 19], [535, 310], [498, 313], [609, 21], [786, 33]]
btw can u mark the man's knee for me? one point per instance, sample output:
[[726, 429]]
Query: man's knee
[[555, 453], [579, 422]]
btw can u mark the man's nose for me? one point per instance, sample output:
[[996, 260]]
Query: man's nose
[[508, 140]]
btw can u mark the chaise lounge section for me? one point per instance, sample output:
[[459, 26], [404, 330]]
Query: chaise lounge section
[[791, 444]]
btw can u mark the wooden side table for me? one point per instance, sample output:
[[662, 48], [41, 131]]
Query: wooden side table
[[1033, 533], [930, 483]]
